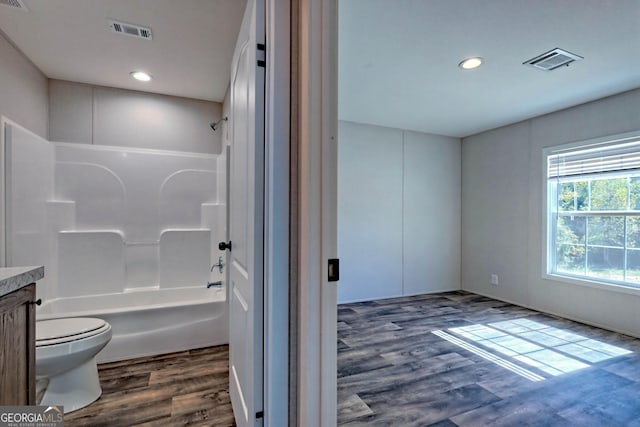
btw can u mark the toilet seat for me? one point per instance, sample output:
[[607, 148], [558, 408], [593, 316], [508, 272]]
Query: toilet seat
[[60, 331]]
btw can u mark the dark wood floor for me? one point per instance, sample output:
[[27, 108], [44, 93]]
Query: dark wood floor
[[189, 388], [394, 371]]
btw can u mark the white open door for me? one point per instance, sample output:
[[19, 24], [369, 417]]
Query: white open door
[[246, 219]]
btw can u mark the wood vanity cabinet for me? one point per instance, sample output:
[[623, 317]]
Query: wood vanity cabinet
[[17, 347]]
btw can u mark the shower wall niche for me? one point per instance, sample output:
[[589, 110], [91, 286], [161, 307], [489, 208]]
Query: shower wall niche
[[107, 220]]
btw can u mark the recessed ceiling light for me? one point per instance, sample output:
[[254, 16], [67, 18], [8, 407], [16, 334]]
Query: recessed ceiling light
[[141, 75], [471, 63]]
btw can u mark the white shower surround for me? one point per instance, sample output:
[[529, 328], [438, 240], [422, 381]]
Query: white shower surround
[[128, 235]]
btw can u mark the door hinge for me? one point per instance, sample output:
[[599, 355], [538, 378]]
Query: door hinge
[[261, 54], [259, 415], [334, 270]]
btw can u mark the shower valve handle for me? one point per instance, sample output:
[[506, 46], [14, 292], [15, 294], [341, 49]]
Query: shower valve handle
[[224, 245]]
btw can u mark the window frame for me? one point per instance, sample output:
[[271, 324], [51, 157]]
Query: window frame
[[550, 226]]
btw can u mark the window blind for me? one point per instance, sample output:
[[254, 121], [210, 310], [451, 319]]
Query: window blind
[[621, 156]]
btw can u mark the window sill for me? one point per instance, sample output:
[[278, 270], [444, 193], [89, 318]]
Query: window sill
[[605, 286]]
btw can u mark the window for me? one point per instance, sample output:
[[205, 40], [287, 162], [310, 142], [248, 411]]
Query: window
[[593, 210]]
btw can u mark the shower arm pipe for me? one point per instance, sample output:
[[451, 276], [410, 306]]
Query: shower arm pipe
[[214, 125]]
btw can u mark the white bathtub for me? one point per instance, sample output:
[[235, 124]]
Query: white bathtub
[[151, 321]]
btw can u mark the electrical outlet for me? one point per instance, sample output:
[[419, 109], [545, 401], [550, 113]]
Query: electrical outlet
[[494, 279]]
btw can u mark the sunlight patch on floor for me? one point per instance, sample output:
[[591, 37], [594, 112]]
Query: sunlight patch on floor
[[489, 356], [554, 351]]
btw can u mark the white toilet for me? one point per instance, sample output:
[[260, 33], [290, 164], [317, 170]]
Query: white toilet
[[65, 355]]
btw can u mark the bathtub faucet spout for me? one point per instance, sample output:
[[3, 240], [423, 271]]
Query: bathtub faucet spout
[[214, 284]]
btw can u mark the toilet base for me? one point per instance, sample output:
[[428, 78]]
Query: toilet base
[[75, 388]]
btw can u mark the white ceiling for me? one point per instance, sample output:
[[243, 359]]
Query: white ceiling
[[399, 60], [189, 56]]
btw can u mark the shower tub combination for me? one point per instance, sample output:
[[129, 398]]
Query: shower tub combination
[[151, 322], [126, 235]]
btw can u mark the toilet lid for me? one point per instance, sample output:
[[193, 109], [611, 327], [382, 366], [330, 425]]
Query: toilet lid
[[66, 328]]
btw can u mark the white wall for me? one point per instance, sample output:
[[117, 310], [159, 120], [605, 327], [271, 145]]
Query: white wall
[[398, 212], [431, 216], [502, 218], [369, 212], [107, 116], [23, 90]]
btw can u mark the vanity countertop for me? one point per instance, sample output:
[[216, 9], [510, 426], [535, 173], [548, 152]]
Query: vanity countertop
[[14, 278]]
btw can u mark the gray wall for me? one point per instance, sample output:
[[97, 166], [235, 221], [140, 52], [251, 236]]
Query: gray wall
[[225, 126], [398, 212], [107, 116], [225, 138], [23, 90], [502, 217]]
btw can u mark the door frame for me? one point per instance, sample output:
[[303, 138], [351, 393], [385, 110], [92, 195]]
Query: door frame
[[315, 103], [4, 129], [301, 124], [276, 214]]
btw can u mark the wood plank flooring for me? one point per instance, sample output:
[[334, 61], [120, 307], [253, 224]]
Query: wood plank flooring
[[394, 371], [189, 388]]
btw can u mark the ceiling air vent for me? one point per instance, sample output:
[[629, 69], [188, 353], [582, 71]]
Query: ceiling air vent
[[16, 4], [130, 29], [553, 59]]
